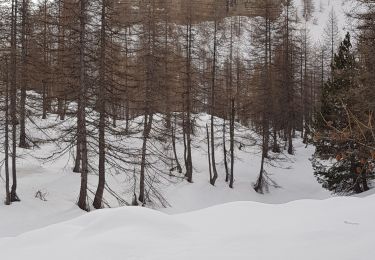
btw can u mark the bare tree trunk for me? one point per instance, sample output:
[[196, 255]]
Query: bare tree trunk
[[225, 153], [6, 141], [146, 132], [13, 100], [173, 129], [44, 116], [276, 148], [61, 99], [82, 136], [233, 111], [127, 105], [102, 110], [22, 141], [208, 152], [214, 171], [78, 158], [259, 185], [45, 64], [184, 141], [187, 125], [288, 81]]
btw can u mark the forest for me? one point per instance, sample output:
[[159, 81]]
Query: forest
[[155, 65], [137, 96]]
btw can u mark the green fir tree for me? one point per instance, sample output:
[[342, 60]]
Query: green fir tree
[[349, 172]]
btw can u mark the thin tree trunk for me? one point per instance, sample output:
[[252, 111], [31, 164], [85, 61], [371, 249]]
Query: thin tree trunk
[[173, 129], [231, 131], [44, 116], [214, 171], [78, 159], [276, 148], [187, 123], [102, 110], [82, 136], [146, 132], [22, 141], [225, 153], [45, 64], [259, 186], [208, 152], [6, 141], [13, 101]]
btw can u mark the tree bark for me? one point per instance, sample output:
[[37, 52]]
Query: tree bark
[[102, 110], [82, 135], [213, 84], [24, 69], [6, 140], [146, 132], [13, 100]]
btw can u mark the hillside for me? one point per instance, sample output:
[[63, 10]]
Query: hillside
[[60, 186]]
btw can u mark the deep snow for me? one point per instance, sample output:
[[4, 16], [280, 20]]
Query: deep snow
[[338, 228]]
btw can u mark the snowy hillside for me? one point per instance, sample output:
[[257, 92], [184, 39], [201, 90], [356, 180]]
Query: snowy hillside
[[59, 186], [320, 17]]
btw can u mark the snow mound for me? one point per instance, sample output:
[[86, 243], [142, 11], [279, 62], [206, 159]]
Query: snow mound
[[337, 228]]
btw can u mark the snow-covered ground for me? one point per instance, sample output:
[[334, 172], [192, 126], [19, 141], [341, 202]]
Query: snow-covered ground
[[338, 228], [60, 186], [294, 177]]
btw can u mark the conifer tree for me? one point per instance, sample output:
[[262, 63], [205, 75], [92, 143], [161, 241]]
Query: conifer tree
[[336, 136]]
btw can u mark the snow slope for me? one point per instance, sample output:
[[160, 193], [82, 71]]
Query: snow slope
[[294, 176], [60, 185], [317, 24], [338, 228]]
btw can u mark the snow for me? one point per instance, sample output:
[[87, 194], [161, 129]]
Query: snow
[[295, 178], [317, 24], [60, 185], [337, 228]]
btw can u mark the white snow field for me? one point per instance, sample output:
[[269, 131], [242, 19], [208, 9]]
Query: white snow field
[[338, 228]]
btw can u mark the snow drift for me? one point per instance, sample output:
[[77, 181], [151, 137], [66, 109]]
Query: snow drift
[[337, 228]]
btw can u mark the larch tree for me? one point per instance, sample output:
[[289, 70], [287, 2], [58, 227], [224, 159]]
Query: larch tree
[[13, 98]]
